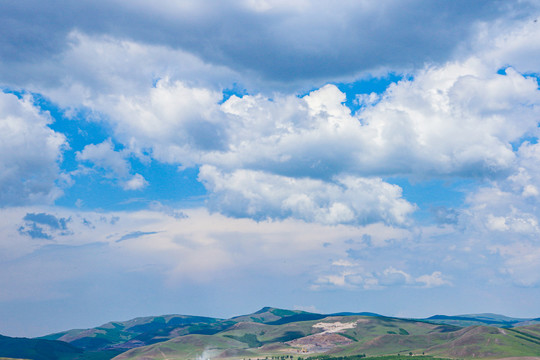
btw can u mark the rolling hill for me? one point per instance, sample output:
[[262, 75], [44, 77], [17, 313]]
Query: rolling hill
[[342, 336], [272, 333]]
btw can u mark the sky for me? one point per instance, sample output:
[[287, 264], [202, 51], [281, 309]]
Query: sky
[[211, 158]]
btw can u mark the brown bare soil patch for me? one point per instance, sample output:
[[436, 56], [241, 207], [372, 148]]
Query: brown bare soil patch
[[317, 343]]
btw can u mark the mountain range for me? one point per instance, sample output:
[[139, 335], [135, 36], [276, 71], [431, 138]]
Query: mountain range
[[272, 333]]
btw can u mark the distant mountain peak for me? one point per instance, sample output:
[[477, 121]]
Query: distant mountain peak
[[264, 309]]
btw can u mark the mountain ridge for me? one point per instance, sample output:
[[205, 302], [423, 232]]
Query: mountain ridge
[[270, 331]]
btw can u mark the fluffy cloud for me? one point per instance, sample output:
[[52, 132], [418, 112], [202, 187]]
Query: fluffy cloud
[[457, 119], [114, 163], [260, 195], [432, 280], [452, 120], [137, 182], [355, 276], [173, 121], [104, 156], [504, 217], [29, 167]]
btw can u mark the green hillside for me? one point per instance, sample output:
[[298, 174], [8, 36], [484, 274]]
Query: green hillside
[[121, 336], [280, 334], [346, 336], [36, 349], [139, 332]]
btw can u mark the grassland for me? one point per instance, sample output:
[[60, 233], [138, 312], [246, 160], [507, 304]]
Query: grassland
[[277, 334], [372, 336]]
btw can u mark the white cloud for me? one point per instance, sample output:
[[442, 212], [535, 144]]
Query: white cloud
[[174, 121], [457, 118], [137, 182], [432, 280], [93, 67], [113, 162], [510, 43], [393, 277], [374, 275], [104, 156], [348, 200], [30, 152]]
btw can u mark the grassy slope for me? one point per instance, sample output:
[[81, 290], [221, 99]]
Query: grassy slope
[[471, 342], [266, 333], [372, 336], [487, 342], [149, 330], [261, 340], [139, 331], [186, 347]]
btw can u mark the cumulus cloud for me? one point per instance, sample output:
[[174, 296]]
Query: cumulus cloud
[[137, 182], [348, 200], [104, 156], [427, 126], [29, 167], [503, 216], [457, 119], [432, 280], [509, 204], [174, 121], [113, 162], [448, 120], [355, 276]]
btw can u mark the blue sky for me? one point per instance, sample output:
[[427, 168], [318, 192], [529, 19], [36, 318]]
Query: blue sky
[[201, 158]]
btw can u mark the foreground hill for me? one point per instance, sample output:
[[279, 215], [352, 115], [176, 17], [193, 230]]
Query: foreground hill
[[142, 331], [272, 333], [36, 349], [342, 336]]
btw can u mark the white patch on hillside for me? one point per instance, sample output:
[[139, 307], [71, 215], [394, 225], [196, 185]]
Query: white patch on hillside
[[334, 327]]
